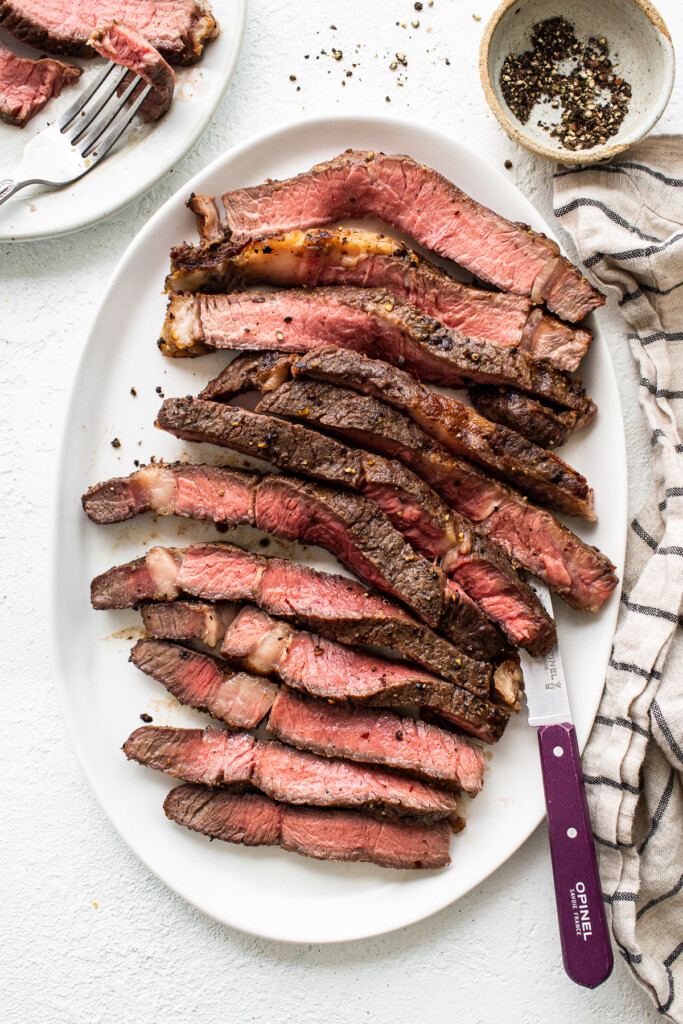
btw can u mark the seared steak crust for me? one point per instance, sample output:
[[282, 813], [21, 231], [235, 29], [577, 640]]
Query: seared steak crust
[[189, 620], [419, 201], [547, 426], [363, 320], [178, 29], [351, 257], [255, 820], [447, 539], [530, 536]]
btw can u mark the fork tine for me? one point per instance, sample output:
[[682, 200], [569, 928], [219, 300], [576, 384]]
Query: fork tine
[[83, 124], [117, 130], [76, 107]]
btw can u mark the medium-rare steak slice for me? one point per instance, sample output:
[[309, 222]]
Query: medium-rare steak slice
[[420, 201], [444, 538], [218, 758], [350, 526], [26, 85], [348, 256], [547, 426], [530, 536], [363, 320], [334, 606], [255, 820], [178, 29], [189, 620], [126, 46], [382, 737], [504, 452], [237, 698], [324, 668]]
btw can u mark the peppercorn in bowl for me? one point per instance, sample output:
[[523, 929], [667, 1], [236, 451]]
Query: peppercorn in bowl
[[578, 84]]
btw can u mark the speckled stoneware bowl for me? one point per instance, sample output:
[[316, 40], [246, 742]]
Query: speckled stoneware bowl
[[639, 44]]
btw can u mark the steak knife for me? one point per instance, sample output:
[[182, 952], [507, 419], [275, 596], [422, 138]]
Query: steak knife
[[584, 934]]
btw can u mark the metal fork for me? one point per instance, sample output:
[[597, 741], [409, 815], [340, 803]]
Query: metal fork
[[75, 143]]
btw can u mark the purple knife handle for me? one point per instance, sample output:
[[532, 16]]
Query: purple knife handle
[[585, 937]]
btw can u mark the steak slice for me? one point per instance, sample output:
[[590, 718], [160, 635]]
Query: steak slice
[[547, 426], [350, 526], [332, 605], [178, 29], [363, 320], [126, 46], [351, 257], [237, 698], [189, 620], [530, 536], [421, 517], [502, 451], [219, 758], [505, 453], [255, 820], [382, 737], [322, 668], [421, 202], [26, 85]]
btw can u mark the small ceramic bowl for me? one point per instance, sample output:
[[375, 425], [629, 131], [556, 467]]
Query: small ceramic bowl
[[639, 44]]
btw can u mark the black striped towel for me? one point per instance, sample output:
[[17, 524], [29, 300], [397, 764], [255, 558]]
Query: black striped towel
[[626, 218]]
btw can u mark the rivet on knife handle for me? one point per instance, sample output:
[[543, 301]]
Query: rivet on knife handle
[[584, 934]]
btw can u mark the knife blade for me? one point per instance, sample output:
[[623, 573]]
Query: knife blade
[[584, 933]]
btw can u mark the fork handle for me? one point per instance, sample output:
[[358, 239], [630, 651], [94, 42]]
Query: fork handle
[[9, 187]]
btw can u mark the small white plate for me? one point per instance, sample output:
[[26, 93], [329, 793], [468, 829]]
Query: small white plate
[[267, 891], [146, 153]]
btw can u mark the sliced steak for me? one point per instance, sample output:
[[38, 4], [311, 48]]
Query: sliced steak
[[178, 29], [363, 320], [413, 509], [255, 820], [547, 426], [219, 758], [505, 453], [350, 526], [204, 683], [189, 620], [530, 536], [351, 257], [323, 668], [382, 737], [335, 606], [420, 201], [26, 85], [126, 46]]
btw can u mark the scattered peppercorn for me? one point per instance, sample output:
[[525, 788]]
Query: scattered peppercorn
[[133, 392], [337, 54], [418, 6], [577, 77], [144, 717], [292, 78], [508, 165], [116, 443]]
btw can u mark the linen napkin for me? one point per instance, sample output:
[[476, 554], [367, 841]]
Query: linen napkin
[[626, 218]]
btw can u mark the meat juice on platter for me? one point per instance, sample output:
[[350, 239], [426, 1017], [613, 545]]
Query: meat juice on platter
[[436, 509]]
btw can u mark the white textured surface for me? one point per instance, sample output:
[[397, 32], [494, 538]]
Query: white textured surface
[[86, 933]]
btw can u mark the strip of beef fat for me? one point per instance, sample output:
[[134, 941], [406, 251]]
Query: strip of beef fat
[[501, 451], [26, 85], [178, 29], [125, 46], [331, 605], [219, 758], [530, 536], [421, 202], [352, 257], [350, 526], [255, 820], [472, 564], [363, 320]]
